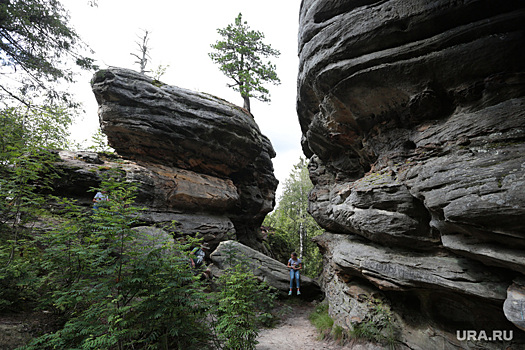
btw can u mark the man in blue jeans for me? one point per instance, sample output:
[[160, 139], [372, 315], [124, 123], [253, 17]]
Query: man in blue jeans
[[294, 264]]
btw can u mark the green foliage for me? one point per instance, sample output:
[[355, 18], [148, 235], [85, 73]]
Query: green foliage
[[239, 57], [158, 73], [378, 325], [242, 302], [36, 41], [293, 223], [279, 244], [18, 274], [321, 320], [236, 327], [25, 129], [118, 288], [26, 169], [99, 142]]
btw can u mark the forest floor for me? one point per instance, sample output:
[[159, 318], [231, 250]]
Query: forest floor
[[17, 329], [294, 331]]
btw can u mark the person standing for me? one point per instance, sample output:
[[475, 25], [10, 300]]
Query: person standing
[[295, 265], [99, 199]]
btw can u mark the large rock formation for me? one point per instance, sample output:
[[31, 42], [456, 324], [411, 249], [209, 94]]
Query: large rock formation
[[269, 270], [198, 160], [413, 115]]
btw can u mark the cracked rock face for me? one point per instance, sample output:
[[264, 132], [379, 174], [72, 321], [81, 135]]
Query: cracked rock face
[[198, 160], [413, 115]]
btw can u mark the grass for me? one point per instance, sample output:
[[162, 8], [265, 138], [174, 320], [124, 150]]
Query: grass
[[321, 320], [377, 327]]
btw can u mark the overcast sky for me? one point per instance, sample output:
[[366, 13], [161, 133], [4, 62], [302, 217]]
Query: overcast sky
[[181, 33]]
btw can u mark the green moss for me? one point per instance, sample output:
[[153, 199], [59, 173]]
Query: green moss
[[101, 75], [158, 83]]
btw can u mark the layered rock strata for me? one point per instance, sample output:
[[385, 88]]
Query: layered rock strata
[[413, 116], [268, 270], [198, 160], [178, 200]]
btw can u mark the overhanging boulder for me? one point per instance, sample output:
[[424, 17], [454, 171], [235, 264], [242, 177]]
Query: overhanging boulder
[[269, 270]]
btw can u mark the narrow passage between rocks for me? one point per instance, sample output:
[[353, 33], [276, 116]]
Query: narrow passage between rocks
[[296, 332]]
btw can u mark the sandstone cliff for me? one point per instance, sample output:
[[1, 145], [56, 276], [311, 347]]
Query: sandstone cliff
[[198, 160], [413, 115]]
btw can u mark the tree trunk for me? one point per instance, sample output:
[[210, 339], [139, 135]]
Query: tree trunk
[[246, 103], [301, 239]]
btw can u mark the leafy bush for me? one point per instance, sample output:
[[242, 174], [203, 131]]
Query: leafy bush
[[242, 302], [26, 170], [18, 274], [118, 289]]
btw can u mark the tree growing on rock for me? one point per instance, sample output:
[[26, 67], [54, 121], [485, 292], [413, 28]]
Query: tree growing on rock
[[239, 56], [144, 50]]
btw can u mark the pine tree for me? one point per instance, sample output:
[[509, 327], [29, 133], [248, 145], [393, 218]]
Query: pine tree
[[36, 40], [239, 57]]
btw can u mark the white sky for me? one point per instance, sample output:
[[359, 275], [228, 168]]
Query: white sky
[[181, 33]]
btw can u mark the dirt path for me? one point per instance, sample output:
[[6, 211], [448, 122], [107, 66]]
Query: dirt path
[[294, 332]]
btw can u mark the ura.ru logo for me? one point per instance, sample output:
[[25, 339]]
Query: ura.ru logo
[[495, 335]]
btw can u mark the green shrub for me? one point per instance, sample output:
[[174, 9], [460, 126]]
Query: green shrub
[[24, 173], [378, 325], [242, 303], [118, 290], [19, 277]]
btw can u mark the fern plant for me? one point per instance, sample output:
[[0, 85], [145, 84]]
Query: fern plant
[[118, 288], [242, 302]]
